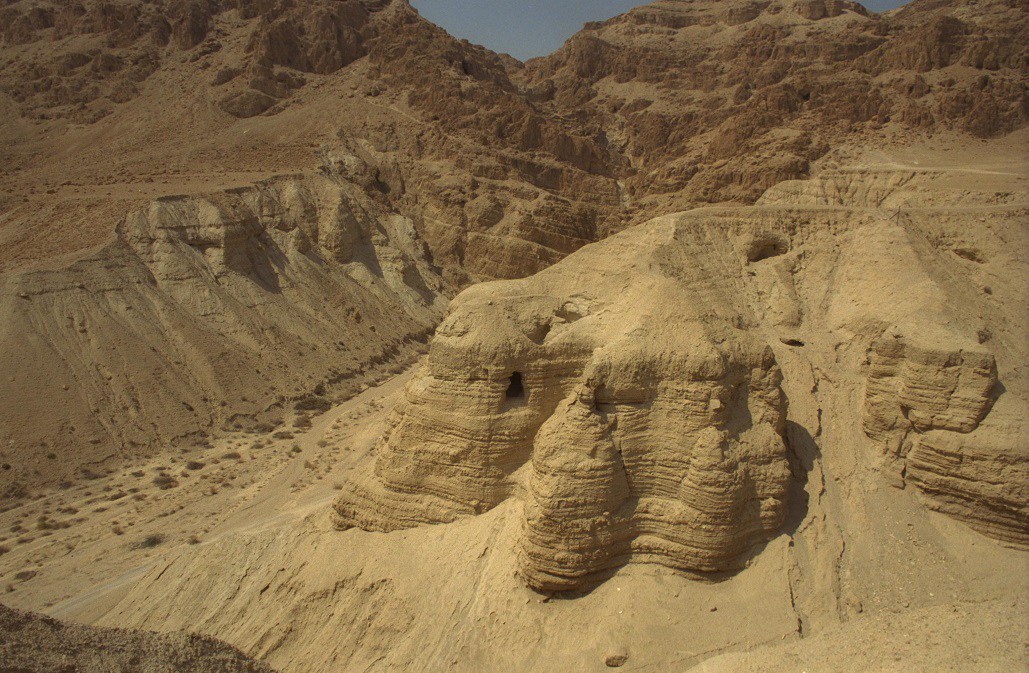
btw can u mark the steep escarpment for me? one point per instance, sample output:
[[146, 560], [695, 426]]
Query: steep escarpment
[[600, 372], [496, 186], [788, 394], [719, 101], [653, 424], [207, 311]]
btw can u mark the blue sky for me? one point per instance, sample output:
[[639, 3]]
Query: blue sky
[[527, 28]]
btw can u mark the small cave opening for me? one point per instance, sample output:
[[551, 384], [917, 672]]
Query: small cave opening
[[766, 246], [515, 389]]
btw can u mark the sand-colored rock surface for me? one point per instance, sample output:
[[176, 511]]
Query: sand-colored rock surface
[[165, 335], [500, 168], [653, 424], [698, 344]]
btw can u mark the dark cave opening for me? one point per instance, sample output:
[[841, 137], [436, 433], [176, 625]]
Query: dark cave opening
[[515, 389]]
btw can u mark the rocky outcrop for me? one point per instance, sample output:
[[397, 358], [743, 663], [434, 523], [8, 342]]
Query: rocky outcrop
[[919, 388], [981, 478], [166, 333], [651, 424], [927, 408], [575, 391], [718, 101]]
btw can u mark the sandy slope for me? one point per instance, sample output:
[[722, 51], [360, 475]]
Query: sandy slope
[[864, 578]]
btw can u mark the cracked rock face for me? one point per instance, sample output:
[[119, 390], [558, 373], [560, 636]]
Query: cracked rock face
[[649, 424], [931, 410]]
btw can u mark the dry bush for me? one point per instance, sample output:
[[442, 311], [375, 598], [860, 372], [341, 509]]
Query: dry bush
[[313, 403], [165, 482], [149, 542]]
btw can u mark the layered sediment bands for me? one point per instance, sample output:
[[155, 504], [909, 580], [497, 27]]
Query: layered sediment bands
[[921, 388], [925, 407], [207, 311], [651, 420], [627, 397], [672, 458], [981, 478]]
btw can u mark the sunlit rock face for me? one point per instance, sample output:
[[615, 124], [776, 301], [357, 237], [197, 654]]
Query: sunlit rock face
[[648, 421]]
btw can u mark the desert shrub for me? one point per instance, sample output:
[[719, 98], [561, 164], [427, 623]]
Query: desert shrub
[[149, 542], [193, 539], [312, 403], [283, 434], [231, 455], [194, 465], [46, 523], [165, 482], [4, 549]]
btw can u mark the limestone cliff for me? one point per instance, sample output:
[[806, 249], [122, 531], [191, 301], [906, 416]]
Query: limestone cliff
[[167, 333], [637, 382]]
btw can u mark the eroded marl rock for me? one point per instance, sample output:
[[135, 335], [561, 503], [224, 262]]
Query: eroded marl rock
[[632, 381], [164, 334], [652, 423], [921, 388], [981, 478], [661, 455], [930, 409]]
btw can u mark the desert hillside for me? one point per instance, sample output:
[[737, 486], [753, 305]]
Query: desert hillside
[[697, 344]]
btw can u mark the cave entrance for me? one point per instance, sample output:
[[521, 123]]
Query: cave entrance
[[515, 389]]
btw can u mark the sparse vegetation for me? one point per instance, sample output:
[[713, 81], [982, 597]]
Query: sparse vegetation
[[283, 434], [313, 403], [195, 465], [165, 481], [149, 542]]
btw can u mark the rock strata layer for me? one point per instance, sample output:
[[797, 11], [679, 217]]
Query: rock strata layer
[[650, 421]]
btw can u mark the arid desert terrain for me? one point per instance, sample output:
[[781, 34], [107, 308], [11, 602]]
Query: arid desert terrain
[[330, 342]]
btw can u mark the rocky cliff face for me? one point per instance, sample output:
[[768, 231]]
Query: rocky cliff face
[[630, 399], [460, 165], [713, 102], [652, 425], [206, 311]]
